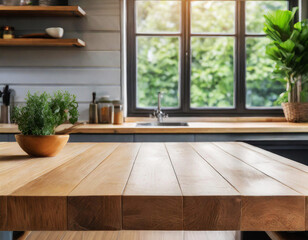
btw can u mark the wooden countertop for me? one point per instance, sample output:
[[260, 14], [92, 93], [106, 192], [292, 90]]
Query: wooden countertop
[[152, 186], [194, 127]]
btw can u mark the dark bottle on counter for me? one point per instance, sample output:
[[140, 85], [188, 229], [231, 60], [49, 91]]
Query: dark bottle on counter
[[5, 107], [93, 110]]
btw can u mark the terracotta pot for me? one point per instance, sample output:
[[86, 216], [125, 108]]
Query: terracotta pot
[[42, 146], [295, 112]]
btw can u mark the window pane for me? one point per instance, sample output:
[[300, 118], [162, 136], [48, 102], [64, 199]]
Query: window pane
[[157, 71], [262, 85], [212, 17], [212, 76], [255, 10], [158, 16]]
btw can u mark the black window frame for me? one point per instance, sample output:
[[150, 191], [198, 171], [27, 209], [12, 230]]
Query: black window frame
[[185, 110]]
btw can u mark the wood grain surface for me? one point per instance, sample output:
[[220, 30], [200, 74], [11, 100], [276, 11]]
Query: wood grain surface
[[151, 235], [51, 189], [252, 184], [210, 202], [105, 185], [41, 42], [194, 127], [211, 235], [151, 186], [152, 199], [42, 11], [3, 212], [137, 235]]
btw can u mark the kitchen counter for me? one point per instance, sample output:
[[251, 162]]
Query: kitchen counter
[[194, 127], [152, 186]]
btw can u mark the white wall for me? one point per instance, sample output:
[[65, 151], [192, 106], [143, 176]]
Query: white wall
[[96, 67]]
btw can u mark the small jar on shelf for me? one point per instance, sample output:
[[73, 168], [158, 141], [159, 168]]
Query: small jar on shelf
[[106, 110], [7, 32]]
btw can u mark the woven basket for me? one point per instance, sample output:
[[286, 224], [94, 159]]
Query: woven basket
[[295, 112]]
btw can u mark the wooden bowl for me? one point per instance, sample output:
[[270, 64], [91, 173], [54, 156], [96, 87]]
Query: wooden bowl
[[42, 146]]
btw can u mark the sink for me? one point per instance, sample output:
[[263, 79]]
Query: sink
[[163, 124]]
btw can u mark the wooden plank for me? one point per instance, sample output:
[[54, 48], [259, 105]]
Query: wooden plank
[[152, 199], [261, 194], [3, 213], [73, 235], [70, 235], [58, 182], [9, 161], [32, 168], [210, 235], [236, 120], [284, 173], [36, 213], [110, 177], [151, 235], [45, 235], [104, 235], [95, 204], [51, 190], [130, 127], [60, 76], [282, 213], [41, 11], [13, 156], [210, 202], [137, 235], [39, 42], [59, 58], [93, 41], [276, 157]]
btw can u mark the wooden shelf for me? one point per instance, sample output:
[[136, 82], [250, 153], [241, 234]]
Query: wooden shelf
[[55, 11], [41, 42]]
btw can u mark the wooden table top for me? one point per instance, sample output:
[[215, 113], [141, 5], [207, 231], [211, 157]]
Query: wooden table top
[[194, 127], [152, 186]]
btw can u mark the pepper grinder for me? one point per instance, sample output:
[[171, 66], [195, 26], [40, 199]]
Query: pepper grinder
[[93, 111], [5, 107]]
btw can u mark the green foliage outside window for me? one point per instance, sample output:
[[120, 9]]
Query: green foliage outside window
[[212, 73]]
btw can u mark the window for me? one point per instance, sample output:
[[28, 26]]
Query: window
[[207, 57]]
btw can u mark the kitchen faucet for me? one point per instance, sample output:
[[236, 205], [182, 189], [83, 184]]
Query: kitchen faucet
[[158, 113]]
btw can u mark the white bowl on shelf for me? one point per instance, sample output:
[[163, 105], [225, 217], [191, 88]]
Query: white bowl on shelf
[[55, 32]]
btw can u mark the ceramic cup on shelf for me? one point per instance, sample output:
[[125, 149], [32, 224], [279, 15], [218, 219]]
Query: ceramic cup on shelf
[[55, 32]]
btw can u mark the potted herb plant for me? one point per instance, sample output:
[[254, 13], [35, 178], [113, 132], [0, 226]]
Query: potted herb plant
[[289, 49], [38, 119]]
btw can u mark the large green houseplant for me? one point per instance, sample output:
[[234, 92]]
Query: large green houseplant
[[37, 121], [289, 49]]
